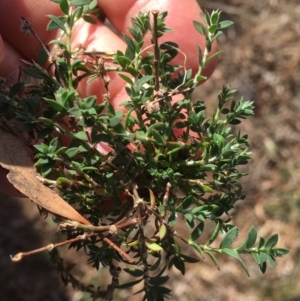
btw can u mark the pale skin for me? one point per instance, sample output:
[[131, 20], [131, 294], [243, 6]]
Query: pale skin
[[15, 45]]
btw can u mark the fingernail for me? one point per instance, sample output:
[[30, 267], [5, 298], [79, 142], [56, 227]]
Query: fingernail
[[2, 50]]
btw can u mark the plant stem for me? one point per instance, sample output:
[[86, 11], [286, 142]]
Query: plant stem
[[156, 49]]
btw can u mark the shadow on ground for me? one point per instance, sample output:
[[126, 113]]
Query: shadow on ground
[[33, 278]]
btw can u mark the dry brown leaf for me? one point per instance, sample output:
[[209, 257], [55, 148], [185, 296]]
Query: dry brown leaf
[[22, 175]]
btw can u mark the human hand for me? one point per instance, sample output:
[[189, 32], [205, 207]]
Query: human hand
[[18, 46]]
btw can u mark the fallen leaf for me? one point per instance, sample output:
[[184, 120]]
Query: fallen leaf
[[22, 175]]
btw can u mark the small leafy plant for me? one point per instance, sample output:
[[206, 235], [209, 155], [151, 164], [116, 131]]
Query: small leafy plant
[[151, 184]]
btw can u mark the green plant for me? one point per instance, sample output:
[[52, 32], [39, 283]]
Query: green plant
[[133, 195]]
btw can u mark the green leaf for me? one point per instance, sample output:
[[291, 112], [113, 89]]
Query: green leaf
[[126, 78], [64, 6], [162, 231], [200, 28], [230, 236], [251, 238], [263, 267], [179, 265], [89, 19], [158, 280], [200, 55], [204, 17], [77, 14], [114, 121], [211, 57], [129, 284], [143, 81], [261, 243], [59, 43], [71, 152], [234, 121], [157, 137], [75, 112], [187, 201], [34, 73], [42, 148], [122, 59], [42, 161], [130, 50], [214, 18], [93, 4], [46, 169], [214, 234], [81, 136], [244, 266], [102, 138], [110, 109], [80, 2], [134, 272], [213, 258], [272, 241], [271, 260], [172, 219], [90, 101], [196, 247], [197, 232], [159, 126], [224, 24], [61, 181], [231, 252], [56, 22], [189, 220], [212, 29], [153, 246], [53, 144], [262, 257], [255, 256], [278, 252], [56, 106], [15, 89], [46, 121]]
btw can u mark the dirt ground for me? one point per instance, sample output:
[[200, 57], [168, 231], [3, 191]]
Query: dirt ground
[[261, 59]]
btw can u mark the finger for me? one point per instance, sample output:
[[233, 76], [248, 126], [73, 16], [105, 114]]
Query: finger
[[98, 37], [10, 59], [18, 45], [180, 19], [35, 12]]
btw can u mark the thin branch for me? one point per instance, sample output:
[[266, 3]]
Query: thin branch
[[114, 246], [27, 28], [156, 49], [19, 256]]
